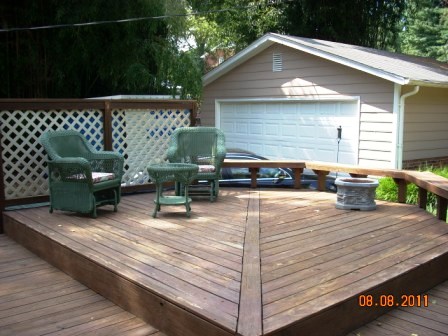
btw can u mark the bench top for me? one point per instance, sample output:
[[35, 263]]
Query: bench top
[[429, 181], [264, 163], [350, 169]]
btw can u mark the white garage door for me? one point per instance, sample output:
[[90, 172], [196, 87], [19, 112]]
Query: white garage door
[[292, 130]]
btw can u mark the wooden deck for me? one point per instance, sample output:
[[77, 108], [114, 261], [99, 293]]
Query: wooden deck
[[38, 299], [255, 262]]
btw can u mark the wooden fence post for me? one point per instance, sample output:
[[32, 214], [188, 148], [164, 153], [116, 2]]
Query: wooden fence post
[[402, 185], [422, 198], [441, 207], [107, 124], [2, 186]]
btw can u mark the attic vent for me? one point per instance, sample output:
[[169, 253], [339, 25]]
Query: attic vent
[[277, 62]]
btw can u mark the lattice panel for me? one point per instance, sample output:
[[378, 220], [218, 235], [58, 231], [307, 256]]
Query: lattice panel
[[142, 137], [24, 167]]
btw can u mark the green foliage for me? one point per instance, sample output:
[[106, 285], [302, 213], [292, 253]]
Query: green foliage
[[232, 23], [369, 23], [85, 61], [387, 189], [426, 29]]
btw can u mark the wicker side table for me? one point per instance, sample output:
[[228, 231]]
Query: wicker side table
[[184, 173]]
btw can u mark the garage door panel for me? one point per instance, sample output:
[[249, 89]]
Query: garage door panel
[[237, 144], [306, 131], [306, 121], [350, 134], [308, 109], [345, 157], [289, 131], [271, 149], [306, 154], [272, 129], [242, 109], [256, 148], [273, 110], [228, 127], [256, 129], [294, 130], [326, 143], [326, 153], [288, 109], [242, 128], [287, 152], [326, 132]]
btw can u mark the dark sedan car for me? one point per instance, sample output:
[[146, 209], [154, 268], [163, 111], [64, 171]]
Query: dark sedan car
[[267, 177]]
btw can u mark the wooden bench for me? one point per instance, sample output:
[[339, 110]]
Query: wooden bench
[[425, 181], [255, 165], [438, 185], [322, 169]]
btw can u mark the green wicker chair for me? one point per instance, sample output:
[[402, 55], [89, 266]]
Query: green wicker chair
[[204, 146], [81, 178]]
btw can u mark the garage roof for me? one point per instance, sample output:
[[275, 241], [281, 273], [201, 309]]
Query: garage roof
[[398, 68]]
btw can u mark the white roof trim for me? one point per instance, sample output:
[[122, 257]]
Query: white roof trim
[[328, 98], [271, 38]]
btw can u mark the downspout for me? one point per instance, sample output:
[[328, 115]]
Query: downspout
[[399, 156]]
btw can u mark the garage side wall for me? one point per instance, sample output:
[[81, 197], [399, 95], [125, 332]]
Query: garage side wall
[[308, 76], [425, 139]]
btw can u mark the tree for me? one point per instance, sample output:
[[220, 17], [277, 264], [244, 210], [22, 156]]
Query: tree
[[232, 23], [145, 56], [82, 61], [425, 30], [369, 23], [235, 24]]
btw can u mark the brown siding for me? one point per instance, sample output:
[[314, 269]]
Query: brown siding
[[305, 75], [426, 124]]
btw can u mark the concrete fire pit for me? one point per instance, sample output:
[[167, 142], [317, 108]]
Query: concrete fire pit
[[356, 193]]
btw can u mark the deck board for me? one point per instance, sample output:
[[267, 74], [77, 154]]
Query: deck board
[[305, 259], [431, 320], [192, 275], [41, 300], [141, 268], [250, 312], [315, 255]]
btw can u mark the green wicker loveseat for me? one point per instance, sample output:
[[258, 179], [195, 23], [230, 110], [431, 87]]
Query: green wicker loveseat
[[80, 177], [204, 146]]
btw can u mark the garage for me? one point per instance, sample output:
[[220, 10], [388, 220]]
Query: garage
[[285, 96], [292, 129]]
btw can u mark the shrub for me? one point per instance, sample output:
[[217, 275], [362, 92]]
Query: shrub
[[387, 189]]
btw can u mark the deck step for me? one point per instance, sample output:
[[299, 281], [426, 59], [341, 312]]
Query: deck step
[[37, 299], [426, 320]]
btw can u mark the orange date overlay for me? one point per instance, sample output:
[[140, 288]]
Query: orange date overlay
[[406, 300]]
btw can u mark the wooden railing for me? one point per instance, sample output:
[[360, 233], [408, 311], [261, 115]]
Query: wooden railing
[[425, 181]]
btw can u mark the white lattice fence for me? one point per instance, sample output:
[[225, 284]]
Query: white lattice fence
[[24, 168], [142, 137]]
